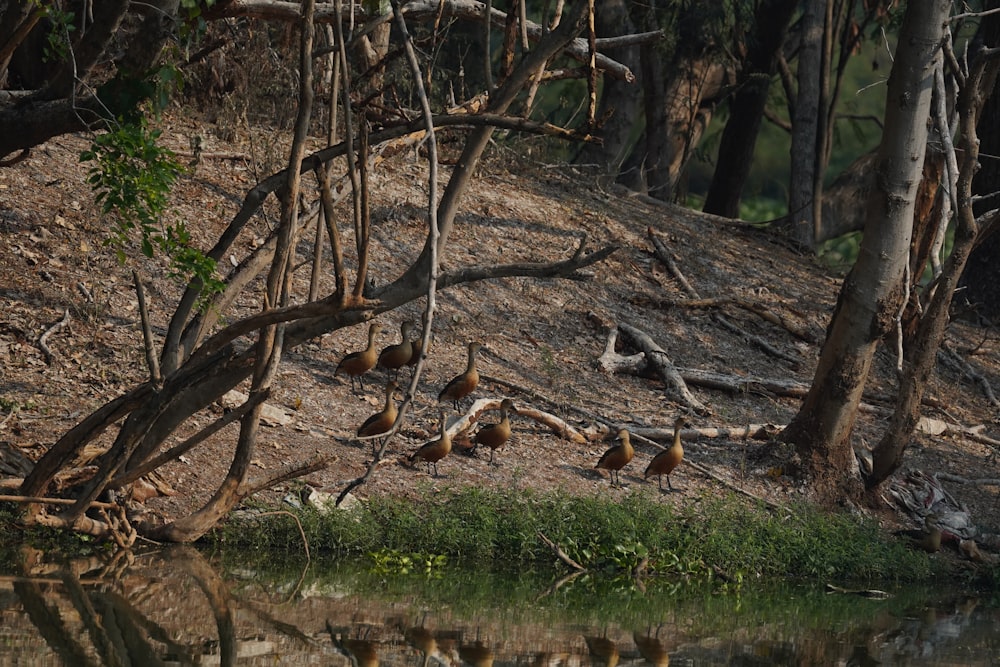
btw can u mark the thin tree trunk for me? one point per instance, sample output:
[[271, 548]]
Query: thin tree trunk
[[747, 108], [806, 124]]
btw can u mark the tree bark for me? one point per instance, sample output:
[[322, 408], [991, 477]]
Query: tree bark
[[621, 101], [888, 454], [872, 292], [807, 122], [746, 108]]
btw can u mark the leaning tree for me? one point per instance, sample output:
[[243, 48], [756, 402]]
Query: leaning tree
[[210, 346], [873, 304]]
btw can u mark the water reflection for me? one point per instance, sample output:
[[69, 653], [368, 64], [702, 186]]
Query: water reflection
[[177, 607]]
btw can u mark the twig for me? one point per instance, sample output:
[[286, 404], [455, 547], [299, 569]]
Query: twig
[[950, 356], [290, 471], [302, 532], [665, 256], [560, 554], [43, 339], [729, 485], [147, 333]]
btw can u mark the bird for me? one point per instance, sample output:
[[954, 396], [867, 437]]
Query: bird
[[927, 539], [465, 383], [417, 346], [603, 651], [617, 457], [665, 462], [652, 649], [380, 422], [478, 654], [357, 364], [396, 356], [495, 435], [435, 450]]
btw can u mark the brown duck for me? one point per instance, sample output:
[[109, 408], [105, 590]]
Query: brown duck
[[396, 356], [665, 462], [464, 384], [357, 364], [617, 457], [495, 435], [417, 346], [380, 422], [435, 450]]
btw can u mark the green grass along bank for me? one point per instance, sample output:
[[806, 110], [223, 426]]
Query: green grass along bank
[[709, 537]]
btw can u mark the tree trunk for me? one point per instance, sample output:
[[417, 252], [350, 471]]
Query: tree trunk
[[806, 125], [923, 346], [872, 292], [746, 108], [621, 101], [980, 282]]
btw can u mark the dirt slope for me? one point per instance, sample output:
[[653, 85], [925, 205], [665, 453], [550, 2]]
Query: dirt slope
[[543, 336]]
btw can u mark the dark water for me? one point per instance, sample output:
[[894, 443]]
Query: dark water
[[179, 607]]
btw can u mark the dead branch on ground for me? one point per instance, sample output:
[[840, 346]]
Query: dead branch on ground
[[665, 368], [43, 339], [666, 257]]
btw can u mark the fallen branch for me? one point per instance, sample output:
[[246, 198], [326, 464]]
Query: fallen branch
[[285, 473], [748, 432], [667, 258], [950, 356], [560, 554], [958, 479], [43, 339], [612, 362], [665, 368], [758, 309], [51, 501]]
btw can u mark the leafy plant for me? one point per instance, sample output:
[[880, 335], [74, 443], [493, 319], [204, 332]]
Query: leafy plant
[[132, 177]]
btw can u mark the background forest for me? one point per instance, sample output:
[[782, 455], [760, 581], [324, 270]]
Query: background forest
[[801, 116]]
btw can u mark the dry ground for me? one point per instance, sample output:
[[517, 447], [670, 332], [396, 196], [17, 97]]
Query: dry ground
[[544, 336]]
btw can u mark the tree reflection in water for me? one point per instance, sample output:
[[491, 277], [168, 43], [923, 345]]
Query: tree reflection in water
[[174, 607]]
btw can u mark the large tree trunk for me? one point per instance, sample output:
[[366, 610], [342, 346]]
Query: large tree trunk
[[923, 345], [746, 108], [872, 292]]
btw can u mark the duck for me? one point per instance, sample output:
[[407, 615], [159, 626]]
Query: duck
[[357, 364], [651, 649], [495, 435], [603, 651], [396, 356], [929, 538], [665, 462], [617, 457], [436, 449], [381, 422], [417, 346], [465, 383]]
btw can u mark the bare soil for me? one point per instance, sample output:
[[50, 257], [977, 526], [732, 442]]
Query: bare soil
[[543, 337]]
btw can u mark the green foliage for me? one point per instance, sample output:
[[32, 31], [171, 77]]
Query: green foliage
[[132, 177], [392, 561], [57, 41], [476, 526]]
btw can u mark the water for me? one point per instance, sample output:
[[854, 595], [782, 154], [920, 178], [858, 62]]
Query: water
[[179, 607]]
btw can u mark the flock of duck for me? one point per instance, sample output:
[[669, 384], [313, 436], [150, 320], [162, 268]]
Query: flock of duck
[[407, 352]]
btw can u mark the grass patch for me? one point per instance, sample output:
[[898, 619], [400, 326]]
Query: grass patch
[[500, 527]]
